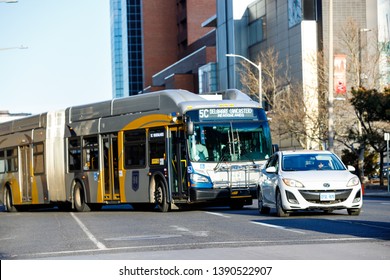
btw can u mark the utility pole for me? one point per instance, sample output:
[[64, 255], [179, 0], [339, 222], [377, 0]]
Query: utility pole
[[330, 78]]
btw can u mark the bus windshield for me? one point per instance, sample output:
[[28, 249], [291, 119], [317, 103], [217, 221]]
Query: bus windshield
[[231, 141]]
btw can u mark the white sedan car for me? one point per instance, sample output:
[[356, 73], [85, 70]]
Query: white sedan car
[[308, 180]]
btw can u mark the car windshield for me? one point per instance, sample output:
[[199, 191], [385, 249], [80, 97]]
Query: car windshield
[[306, 162]]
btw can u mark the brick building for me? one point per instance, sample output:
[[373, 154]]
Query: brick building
[[160, 44]]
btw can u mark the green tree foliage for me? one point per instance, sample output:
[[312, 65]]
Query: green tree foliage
[[371, 105], [370, 161], [372, 108]]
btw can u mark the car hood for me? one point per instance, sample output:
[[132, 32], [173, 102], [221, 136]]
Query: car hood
[[317, 179]]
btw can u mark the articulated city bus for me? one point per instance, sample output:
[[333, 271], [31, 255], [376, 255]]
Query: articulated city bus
[[164, 149]]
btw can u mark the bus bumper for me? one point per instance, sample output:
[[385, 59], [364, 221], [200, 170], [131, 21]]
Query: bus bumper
[[222, 194]]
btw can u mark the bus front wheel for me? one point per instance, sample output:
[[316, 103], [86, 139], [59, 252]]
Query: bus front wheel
[[161, 197]]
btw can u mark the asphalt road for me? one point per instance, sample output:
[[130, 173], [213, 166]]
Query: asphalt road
[[217, 233]]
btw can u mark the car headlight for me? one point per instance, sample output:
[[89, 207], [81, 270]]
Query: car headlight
[[292, 183], [353, 182], [197, 178]]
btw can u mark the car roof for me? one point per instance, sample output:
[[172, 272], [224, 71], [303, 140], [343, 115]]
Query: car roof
[[304, 152]]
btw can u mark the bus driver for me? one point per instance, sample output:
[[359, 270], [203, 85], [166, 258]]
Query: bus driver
[[201, 152]]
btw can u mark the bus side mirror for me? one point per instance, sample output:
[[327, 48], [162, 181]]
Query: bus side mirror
[[190, 128], [275, 148]]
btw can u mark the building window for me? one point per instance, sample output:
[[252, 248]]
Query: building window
[[257, 31], [294, 12], [134, 41], [256, 10], [208, 78], [309, 9]]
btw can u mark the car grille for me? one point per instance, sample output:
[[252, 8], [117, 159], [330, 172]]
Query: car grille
[[314, 196]]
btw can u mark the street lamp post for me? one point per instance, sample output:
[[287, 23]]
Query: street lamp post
[[360, 54], [258, 66]]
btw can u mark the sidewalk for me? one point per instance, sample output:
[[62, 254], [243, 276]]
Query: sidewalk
[[374, 190]]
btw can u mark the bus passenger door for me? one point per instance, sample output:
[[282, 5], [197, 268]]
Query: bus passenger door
[[178, 164], [110, 167], [25, 173]]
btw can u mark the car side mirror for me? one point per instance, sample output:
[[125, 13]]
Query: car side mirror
[[351, 168], [271, 169]]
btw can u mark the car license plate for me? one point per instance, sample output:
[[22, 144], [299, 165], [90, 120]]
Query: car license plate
[[327, 196]]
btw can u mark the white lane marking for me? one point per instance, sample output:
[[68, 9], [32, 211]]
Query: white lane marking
[[191, 232], [7, 238], [88, 233], [218, 214], [278, 227], [179, 228], [141, 237]]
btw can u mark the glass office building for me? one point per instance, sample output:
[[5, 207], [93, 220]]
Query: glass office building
[[126, 47]]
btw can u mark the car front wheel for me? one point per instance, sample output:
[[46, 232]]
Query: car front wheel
[[354, 212], [279, 206]]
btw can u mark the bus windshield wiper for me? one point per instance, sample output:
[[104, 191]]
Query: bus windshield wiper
[[222, 159]]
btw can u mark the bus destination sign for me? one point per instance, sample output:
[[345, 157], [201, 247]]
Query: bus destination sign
[[226, 113]]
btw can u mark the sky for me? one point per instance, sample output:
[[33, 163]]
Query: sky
[[239, 7], [67, 61]]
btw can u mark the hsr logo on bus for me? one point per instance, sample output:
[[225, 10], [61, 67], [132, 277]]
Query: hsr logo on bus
[[135, 181]]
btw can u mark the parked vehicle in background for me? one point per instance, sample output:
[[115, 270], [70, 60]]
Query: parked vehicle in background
[[308, 180]]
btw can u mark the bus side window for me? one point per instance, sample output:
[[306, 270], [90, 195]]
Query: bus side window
[[39, 162], [135, 148], [2, 161], [91, 153], [74, 150], [12, 159], [157, 146]]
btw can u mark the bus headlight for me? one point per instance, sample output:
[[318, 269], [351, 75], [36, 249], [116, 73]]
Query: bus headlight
[[197, 178]]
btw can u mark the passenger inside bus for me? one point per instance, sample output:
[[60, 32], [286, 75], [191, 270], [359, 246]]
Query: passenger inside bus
[[201, 152]]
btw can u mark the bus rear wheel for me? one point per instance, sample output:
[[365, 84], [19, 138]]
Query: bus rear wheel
[[160, 196], [9, 207], [79, 199]]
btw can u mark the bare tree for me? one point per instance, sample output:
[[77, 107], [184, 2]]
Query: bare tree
[[300, 114], [363, 54], [293, 119]]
